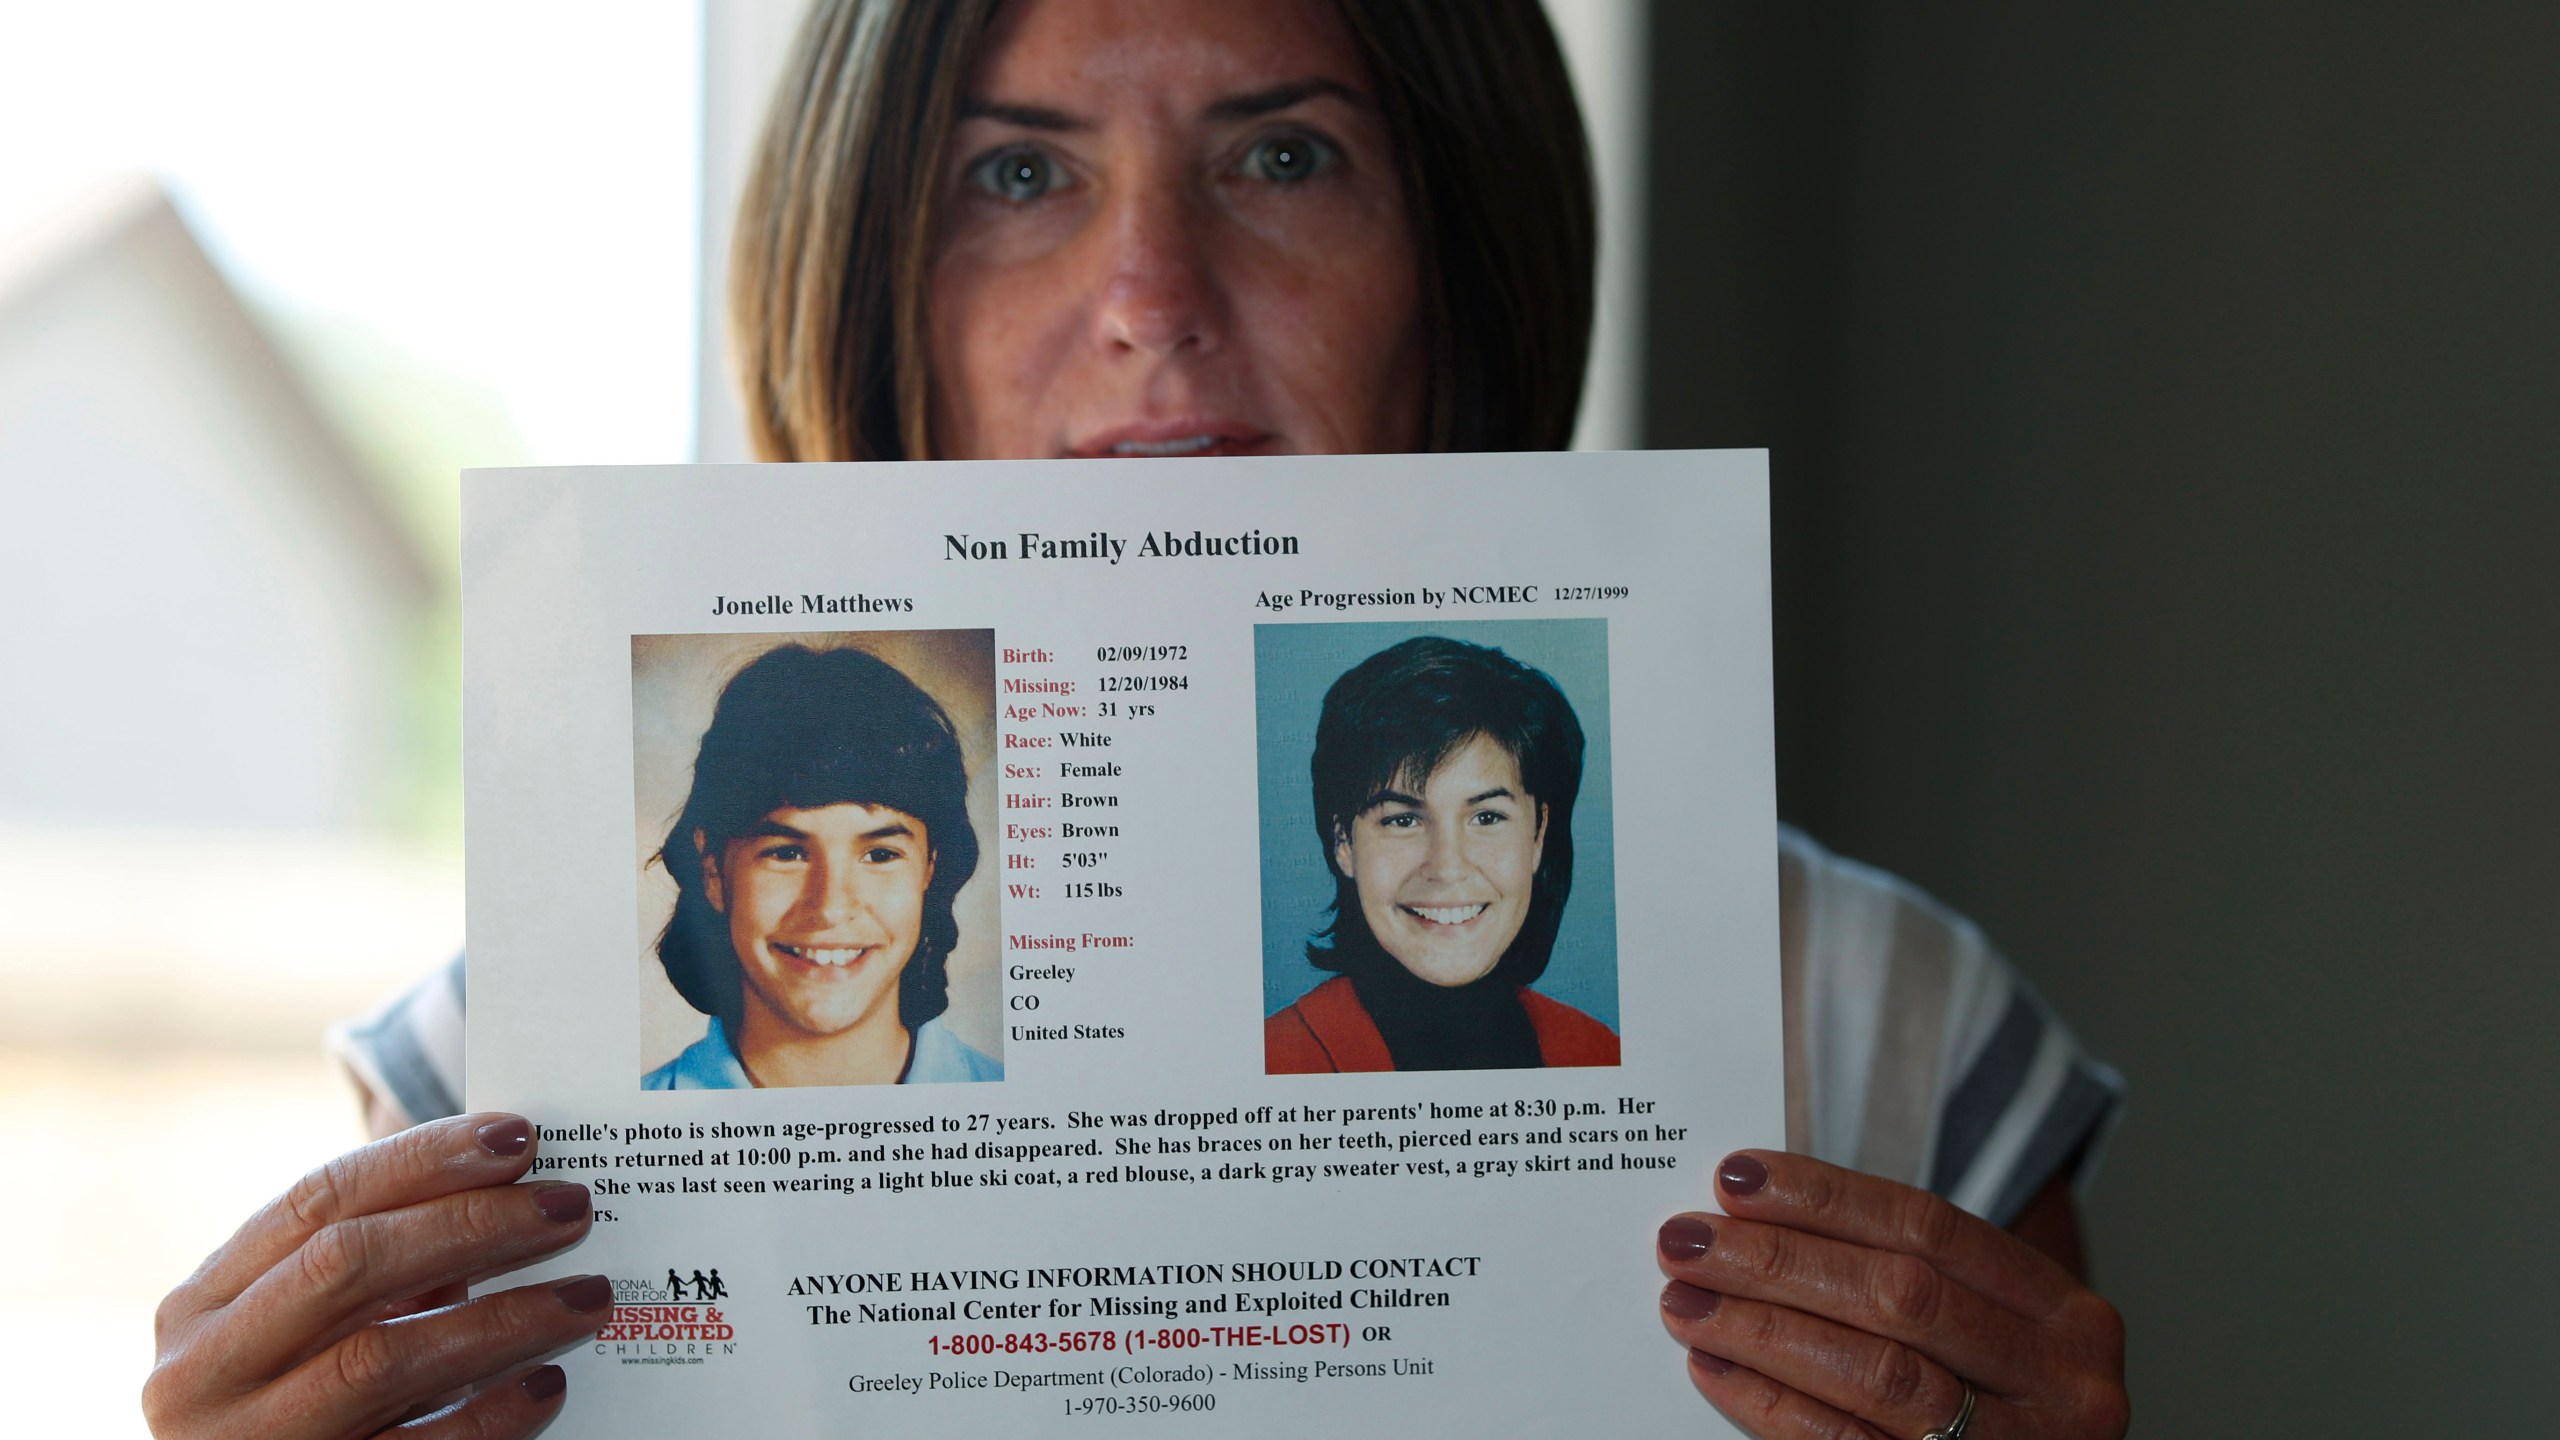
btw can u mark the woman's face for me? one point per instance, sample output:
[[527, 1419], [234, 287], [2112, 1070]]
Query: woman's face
[[1172, 227], [1444, 876], [824, 907]]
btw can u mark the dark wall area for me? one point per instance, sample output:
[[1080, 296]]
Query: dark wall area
[[2163, 402]]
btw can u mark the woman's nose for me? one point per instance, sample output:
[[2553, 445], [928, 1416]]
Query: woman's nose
[[1158, 295], [1444, 856]]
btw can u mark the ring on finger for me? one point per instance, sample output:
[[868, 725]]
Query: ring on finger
[[1954, 1429]]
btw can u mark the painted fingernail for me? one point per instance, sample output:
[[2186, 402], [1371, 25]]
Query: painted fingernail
[[587, 1292], [544, 1381], [507, 1137], [1712, 1364], [1686, 1237], [561, 1204], [1689, 1302], [1742, 1175]]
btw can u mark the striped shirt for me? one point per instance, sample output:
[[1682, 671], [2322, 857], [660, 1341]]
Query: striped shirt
[[1913, 1050], [1916, 1052]]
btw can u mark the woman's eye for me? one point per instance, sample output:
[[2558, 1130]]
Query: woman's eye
[[1287, 159], [881, 855], [1490, 817], [787, 854], [1401, 820], [1018, 175]]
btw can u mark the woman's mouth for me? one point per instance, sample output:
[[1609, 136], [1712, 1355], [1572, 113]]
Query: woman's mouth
[[1177, 440], [1187, 445], [831, 956], [1446, 914]]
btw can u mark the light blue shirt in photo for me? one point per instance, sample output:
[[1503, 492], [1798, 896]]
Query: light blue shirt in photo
[[711, 1063]]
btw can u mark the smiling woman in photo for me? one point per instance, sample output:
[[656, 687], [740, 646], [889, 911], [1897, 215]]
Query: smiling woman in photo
[[1445, 776]]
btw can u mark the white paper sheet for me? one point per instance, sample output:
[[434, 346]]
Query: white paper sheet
[[1137, 1220]]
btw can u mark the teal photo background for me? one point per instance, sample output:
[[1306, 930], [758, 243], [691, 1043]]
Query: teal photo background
[[1293, 665]]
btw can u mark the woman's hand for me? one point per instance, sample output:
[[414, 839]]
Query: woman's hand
[[338, 1309], [1834, 1304]]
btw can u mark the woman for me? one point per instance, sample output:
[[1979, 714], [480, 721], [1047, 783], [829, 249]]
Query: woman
[[1193, 226], [1445, 775], [816, 860]]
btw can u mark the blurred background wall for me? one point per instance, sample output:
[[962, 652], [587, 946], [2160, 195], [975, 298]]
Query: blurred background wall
[[271, 273], [2161, 405], [2165, 406]]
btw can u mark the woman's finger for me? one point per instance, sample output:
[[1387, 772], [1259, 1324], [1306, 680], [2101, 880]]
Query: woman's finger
[[513, 1407], [1764, 1408], [1805, 1194], [1770, 1410], [1884, 1292], [372, 1377], [1883, 1382], [507, 1409], [439, 1158], [345, 1275]]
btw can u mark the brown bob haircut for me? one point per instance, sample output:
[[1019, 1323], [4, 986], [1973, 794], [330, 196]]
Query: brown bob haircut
[[836, 228]]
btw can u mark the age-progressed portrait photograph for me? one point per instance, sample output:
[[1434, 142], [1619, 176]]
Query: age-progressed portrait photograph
[[1437, 859], [815, 908]]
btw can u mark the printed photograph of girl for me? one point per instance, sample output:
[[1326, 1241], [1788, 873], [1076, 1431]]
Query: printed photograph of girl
[[807, 889]]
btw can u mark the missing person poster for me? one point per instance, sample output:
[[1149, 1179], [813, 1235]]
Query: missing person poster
[[1014, 947]]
